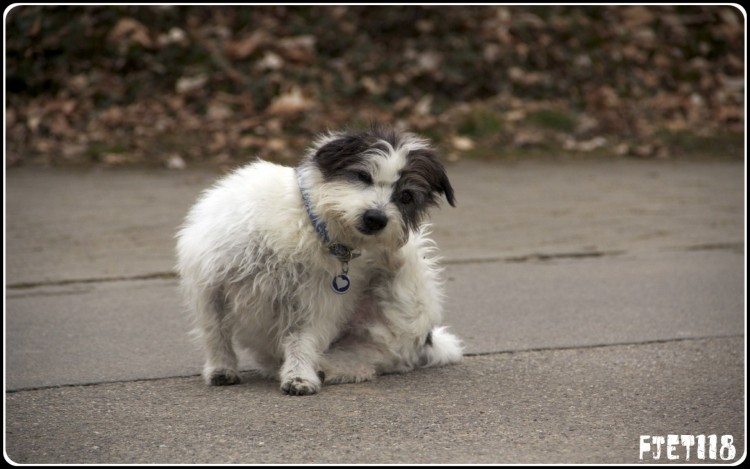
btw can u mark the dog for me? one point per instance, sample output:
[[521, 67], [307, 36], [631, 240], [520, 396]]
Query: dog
[[325, 272]]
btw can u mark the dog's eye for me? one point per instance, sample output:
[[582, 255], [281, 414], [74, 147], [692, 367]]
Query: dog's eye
[[364, 176], [406, 197]]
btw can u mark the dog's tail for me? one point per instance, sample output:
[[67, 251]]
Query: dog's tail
[[441, 348]]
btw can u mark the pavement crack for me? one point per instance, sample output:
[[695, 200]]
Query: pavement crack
[[537, 257], [532, 257], [738, 247], [58, 283], [596, 346], [466, 355], [173, 275]]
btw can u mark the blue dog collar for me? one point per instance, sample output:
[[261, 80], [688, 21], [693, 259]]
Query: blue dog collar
[[340, 283]]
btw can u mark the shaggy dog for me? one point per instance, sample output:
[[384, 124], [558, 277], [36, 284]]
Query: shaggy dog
[[323, 272]]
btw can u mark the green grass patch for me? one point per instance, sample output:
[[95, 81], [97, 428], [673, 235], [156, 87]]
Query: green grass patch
[[96, 150], [723, 144], [553, 120], [480, 123]]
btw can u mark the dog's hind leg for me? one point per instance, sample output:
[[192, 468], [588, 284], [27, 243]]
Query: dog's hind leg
[[410, 302], [350, 364], [215, 331]]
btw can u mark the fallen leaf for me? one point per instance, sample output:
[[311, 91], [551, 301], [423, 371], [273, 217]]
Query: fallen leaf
[[298, 49], [114, 158], [245, 47], [270, 61], [527, 138], [128, 30], [192, 83], [423, 106], [175, 161], [175, 35], [292, 102], [462, 143], [218, 112], [571, 144]]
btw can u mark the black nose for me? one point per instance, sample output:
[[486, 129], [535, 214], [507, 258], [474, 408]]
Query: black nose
[[373, 221]]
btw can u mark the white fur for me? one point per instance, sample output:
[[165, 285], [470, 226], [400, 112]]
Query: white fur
[[255, 275]]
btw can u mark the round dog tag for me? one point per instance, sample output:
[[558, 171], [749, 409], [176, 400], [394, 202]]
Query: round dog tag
[[340, 283]]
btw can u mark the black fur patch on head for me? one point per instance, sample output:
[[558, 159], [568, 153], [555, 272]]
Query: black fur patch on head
[[422, 180], [335, 158], [384, 132]]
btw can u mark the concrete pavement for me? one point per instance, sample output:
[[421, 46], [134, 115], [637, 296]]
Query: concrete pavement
[[599, 301]]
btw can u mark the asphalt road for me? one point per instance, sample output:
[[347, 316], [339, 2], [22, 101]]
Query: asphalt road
[[598, 301]]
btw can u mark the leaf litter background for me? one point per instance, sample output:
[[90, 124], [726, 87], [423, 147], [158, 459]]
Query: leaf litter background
[[183, 85]]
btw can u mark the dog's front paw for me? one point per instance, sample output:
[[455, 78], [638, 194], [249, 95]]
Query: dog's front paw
[[223, 378], [300, 387]]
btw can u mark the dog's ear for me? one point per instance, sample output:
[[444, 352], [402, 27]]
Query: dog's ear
[[339, 153], [445, 186], [425, 162]]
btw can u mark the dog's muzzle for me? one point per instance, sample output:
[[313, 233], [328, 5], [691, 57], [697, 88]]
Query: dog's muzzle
[[373, 221]]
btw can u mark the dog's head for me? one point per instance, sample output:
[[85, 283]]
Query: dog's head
[[375, 186]]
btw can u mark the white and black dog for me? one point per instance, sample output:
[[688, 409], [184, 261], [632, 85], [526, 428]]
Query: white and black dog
[[323, 272]]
